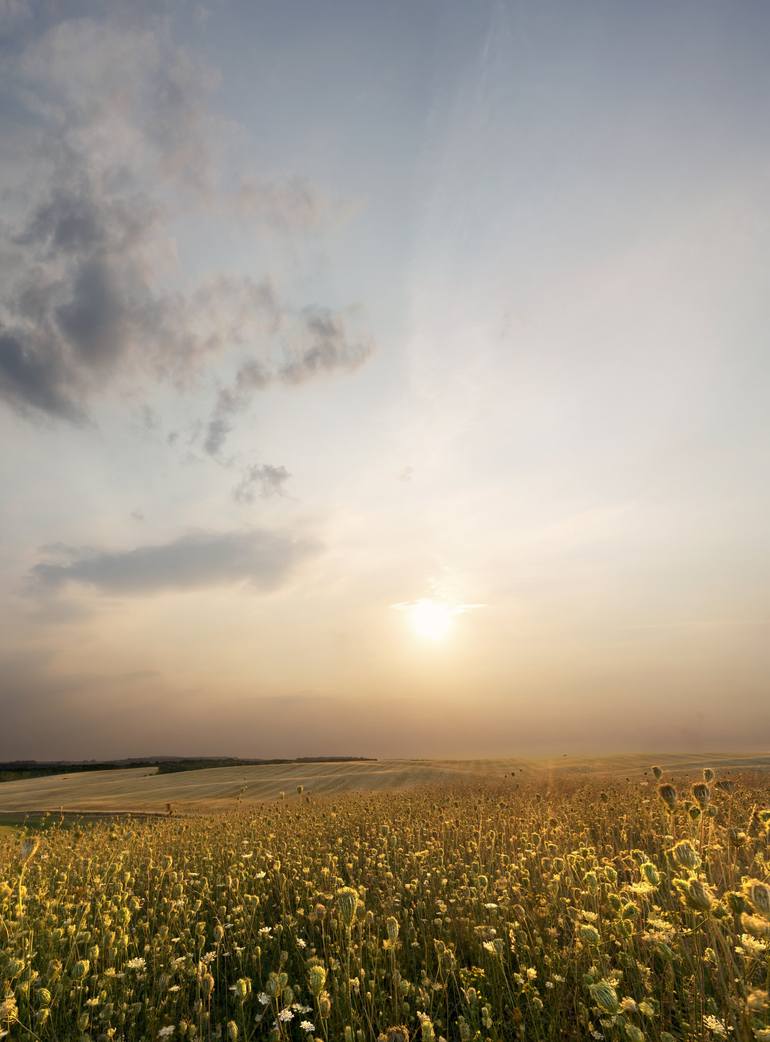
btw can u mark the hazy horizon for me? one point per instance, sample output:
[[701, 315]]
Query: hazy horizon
[[383, 379]]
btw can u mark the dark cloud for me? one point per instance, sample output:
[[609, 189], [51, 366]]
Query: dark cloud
[[35, 375], [264, 559], [261, 479], [128, 144]]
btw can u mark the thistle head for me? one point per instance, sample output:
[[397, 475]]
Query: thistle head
[[702, 793], [668, 794]]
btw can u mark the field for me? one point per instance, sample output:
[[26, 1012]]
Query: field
[[142, 789], [566, 905]]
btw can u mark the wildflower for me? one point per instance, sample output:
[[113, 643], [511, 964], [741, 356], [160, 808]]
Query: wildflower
[[137, 964], [167, 1031], [715, 1025], [285, 1016], [301, 943], [427, 1033], [263, 999], [307, 1026], [588, 933], [242, 988], [398, 1033], [9, 1011]]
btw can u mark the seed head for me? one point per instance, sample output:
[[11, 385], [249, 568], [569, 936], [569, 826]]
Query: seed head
[[316, 976], [668, 794], [347, 903], [29, 847], [685, 855], [605, 997], [758, 894], [392, 928], [702, 793]]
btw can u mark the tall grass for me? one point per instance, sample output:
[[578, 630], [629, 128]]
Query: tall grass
[[469, 914]]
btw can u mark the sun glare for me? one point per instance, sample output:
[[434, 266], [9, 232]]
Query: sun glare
[[430, 619]]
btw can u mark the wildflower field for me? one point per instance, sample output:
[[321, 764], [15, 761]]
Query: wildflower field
[[626, 910]]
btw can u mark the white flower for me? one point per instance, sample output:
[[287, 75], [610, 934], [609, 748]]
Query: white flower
[[301, 943], [263, 998], [307, 1026], [136, 964], [285, 1015], [264, 931], [166, 1032], [715, 1025]]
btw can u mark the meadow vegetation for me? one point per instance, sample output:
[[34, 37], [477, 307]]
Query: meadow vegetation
[[622, 910]]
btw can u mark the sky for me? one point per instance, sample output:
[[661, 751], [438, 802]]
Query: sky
[[384, 379]]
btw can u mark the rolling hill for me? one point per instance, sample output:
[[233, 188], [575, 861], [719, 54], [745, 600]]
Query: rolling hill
[[144, 790]]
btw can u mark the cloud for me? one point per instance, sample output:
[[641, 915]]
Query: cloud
[[261, 479], [290, 204], [318, 344], [264, 559], [123, 145]]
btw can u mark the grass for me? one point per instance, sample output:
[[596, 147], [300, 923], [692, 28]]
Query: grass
[[569, 908]]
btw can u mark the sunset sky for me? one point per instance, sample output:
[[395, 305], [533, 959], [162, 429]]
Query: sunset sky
[[384, 378]]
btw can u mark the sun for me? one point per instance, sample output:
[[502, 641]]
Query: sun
[[430, 619]]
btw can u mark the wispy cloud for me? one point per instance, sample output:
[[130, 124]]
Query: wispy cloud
[[317, 343], [261, 479], [260, 558]]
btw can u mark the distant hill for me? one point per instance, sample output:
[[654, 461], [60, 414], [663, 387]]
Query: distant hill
[[20, 770]]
